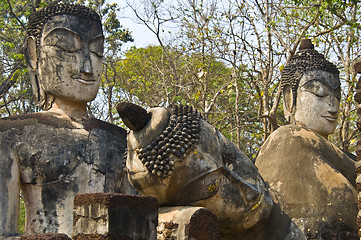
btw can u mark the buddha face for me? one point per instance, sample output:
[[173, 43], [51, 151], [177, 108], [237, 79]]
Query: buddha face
[[70, 59], [318, 100]]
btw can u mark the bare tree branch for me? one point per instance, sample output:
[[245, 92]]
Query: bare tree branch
[[14, 15], [10, 81]]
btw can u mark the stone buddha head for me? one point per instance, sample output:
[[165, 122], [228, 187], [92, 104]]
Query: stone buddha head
[[181, 159], [311, 90], [64, 52]]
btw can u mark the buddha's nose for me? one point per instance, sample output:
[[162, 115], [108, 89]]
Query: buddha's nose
[[333, 104], [87, 65]]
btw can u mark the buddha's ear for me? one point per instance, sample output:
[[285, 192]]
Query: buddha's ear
[[288, 102], [30, 52], [31, 61]]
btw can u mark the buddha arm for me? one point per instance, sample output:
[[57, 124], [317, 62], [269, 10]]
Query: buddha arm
[[9, 189]]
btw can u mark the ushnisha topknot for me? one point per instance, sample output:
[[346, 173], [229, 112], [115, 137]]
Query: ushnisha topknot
[[40, 17], [306, 59]]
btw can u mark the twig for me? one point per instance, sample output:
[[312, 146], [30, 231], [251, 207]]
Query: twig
[[14, 15], [10, 81]]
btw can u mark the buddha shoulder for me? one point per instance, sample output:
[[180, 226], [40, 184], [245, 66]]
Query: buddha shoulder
[[54, 120], [292, 139], [20, 122]]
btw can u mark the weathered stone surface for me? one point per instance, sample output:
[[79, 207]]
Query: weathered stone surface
[[58, 160], [55, 74], [313, 183], [56, 154], [311, 90], [317, 102], [178, 223], [214, 175], [115, 216]]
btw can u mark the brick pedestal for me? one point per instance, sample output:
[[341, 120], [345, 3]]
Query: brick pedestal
[[114, 216], [46, 236]]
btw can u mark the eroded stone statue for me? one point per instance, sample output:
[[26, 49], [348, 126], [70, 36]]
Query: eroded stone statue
[[53, 155], [312, 181], [182, 160]]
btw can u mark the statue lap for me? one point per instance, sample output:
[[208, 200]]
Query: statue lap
[[314, 192]]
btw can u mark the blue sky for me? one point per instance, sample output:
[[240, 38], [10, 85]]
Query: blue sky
[[142, 35]]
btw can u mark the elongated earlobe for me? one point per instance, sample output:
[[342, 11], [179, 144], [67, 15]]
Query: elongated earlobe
[[288, 103], [31, 61], [30, 53]]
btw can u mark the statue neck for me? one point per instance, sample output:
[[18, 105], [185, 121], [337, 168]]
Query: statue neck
[[76, 111]]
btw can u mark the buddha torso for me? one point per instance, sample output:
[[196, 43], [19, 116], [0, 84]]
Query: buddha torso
[[312, 182], [59, 159]]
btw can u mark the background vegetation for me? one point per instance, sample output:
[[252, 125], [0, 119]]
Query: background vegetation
[[224, 57]]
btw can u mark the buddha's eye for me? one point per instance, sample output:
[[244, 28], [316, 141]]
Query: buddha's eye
[[338, 93], [316, 87], [96, 46], [64, 40]]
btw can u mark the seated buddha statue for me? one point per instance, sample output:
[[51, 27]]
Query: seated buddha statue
[[55, 154], [311, 180]]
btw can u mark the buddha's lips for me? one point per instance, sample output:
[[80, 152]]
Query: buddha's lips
[[330, 118], [86, 81], [257, 203]]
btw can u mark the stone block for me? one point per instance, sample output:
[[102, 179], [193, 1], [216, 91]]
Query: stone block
[[46, 236], [114, 216], [196, 223]]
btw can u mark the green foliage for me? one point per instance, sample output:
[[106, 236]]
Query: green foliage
[[115, 34], [225, 59], [14, 92], [115, 37], [147, 74], [253, 40]]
